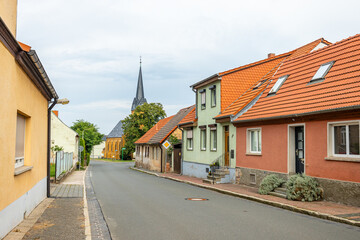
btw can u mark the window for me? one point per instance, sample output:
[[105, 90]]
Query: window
[[20, 141], [259, 84], [322, 71], [278, 84], [254, 140], [213, 139], [203, 139], [203, 98], [213, 95], [153, 153], [344, 139], [189, 139]]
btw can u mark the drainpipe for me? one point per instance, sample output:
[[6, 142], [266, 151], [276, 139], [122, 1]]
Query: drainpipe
[[48, 147]]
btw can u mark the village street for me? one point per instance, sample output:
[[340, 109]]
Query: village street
[[141, 206]]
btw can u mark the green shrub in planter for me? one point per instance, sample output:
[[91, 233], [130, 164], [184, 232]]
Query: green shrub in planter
[[303, 188], [269, 183]]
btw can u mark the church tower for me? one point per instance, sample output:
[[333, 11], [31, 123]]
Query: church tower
[[140, 97]]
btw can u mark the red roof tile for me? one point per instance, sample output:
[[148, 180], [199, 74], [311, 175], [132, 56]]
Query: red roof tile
[[296, 96], [189, 118], [155, 129], [25, 47]]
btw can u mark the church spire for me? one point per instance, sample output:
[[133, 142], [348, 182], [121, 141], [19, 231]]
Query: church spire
[[140, 97]]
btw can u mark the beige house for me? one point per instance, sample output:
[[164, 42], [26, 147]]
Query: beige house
[[98, 150], [63, 136], [26, 92]]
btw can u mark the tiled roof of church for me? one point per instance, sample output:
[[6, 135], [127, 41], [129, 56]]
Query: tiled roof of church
[[117, 131]]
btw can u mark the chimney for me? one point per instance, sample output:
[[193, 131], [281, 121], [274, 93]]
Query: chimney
[[56, 112], [270, 55]]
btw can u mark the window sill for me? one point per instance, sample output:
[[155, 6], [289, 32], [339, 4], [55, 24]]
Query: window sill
[[253, 154], [213, 150], [343, 159], [22, 169], [189, 149], [203, 149]]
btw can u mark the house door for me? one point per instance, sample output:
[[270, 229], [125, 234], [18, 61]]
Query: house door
[[299, 149], [226, 134], [177, 160]]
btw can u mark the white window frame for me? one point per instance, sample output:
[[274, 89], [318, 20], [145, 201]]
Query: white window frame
[[278, 84], [248, 140], [203, 99], [322, 66], [213, 97], [213, 138], [189, 139], [19, 161], [202, 139], [331, 138]]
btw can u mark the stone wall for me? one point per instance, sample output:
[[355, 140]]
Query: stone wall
[[334, 191]]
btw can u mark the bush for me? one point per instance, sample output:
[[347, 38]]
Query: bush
[[269, 183], [87, 159], [303, 188]]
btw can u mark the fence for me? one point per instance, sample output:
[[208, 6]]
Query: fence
[[63, 163]]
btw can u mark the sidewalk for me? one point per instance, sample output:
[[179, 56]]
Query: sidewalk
[[322, 209], [59, 217]]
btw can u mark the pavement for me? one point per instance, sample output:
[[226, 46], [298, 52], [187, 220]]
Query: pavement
[[62, 216], [322, 209]]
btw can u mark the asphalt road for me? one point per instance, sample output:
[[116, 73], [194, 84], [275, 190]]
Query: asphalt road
[[141, 206]]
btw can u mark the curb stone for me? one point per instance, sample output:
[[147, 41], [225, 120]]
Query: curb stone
[[260, 200], [86, 212]]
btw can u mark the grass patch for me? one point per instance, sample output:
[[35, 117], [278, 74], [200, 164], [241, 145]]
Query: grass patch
[[52, 169], [111, 160]]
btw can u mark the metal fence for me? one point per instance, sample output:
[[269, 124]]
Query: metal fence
[[63, 163]]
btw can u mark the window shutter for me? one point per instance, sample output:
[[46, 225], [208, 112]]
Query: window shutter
[[203, 99], [189, 133]]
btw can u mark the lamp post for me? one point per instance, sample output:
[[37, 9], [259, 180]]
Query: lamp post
[[62, 101]]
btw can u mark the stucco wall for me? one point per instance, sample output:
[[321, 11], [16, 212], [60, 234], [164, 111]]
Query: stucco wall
[[63, 136], [21, 96], [8, 13], [97, 150]]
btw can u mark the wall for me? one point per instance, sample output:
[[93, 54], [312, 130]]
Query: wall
[[97, 151], [113, 148], [63, 136], [21, 95], [8, 13]]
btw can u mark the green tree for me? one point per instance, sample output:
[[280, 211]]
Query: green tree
[[90, 133], [139, 122]]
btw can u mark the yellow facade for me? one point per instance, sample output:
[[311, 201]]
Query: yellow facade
[[8, 13], [113, 148]]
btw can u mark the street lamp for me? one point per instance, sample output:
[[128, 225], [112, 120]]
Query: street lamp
[[63, 101]]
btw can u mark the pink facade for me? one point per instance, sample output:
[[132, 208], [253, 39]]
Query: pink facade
[[276, 151]]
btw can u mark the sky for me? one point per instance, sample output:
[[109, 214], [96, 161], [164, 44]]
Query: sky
[[90, 49]]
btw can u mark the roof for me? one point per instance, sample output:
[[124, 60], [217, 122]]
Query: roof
[[252, 75], [163, 129], [189, 118], [155, 129], [24, 47], [117, 131], [296, 97]]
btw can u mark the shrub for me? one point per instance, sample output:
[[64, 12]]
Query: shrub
[[303, 188], [269, 183]]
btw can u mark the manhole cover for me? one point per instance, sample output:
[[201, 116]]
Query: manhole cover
[[197, 199]]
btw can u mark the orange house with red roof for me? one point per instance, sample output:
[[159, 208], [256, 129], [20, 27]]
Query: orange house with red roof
[[150, 150], [305, 119]]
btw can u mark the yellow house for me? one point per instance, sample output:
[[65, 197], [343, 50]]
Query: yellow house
[[25, 92]]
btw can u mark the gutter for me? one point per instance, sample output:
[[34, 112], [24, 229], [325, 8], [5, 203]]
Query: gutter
[[48, 147]]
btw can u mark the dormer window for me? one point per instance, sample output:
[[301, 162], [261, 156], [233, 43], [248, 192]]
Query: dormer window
[[278, 84], [259, 84], [322, 71]]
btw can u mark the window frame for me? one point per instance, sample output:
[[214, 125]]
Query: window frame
[[213, 139], [331, 140], [274, 90], [212, 96], [189, 140], [249, 141], [322, 78], [20, 161], [203, 139], [203, 96]]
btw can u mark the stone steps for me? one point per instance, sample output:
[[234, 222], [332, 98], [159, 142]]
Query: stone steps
[[279, 192], [219, 176]]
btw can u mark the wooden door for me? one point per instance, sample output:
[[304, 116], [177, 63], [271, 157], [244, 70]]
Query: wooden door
[[299, 149], [226, 135], [177, 160]]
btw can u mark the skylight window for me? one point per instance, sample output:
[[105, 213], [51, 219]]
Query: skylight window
[[322, 71], [278, 84], [259, 84]]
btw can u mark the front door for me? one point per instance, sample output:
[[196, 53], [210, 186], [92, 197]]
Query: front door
[[177, 160], [299, 149], [226, 134]]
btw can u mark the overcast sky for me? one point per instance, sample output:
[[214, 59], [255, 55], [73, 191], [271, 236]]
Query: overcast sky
[[90, 48]]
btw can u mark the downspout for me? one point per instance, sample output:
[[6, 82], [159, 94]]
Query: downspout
[[182, 145], [48, 147]]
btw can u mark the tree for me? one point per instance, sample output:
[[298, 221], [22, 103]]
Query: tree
[[139, 122], [90, 132]]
